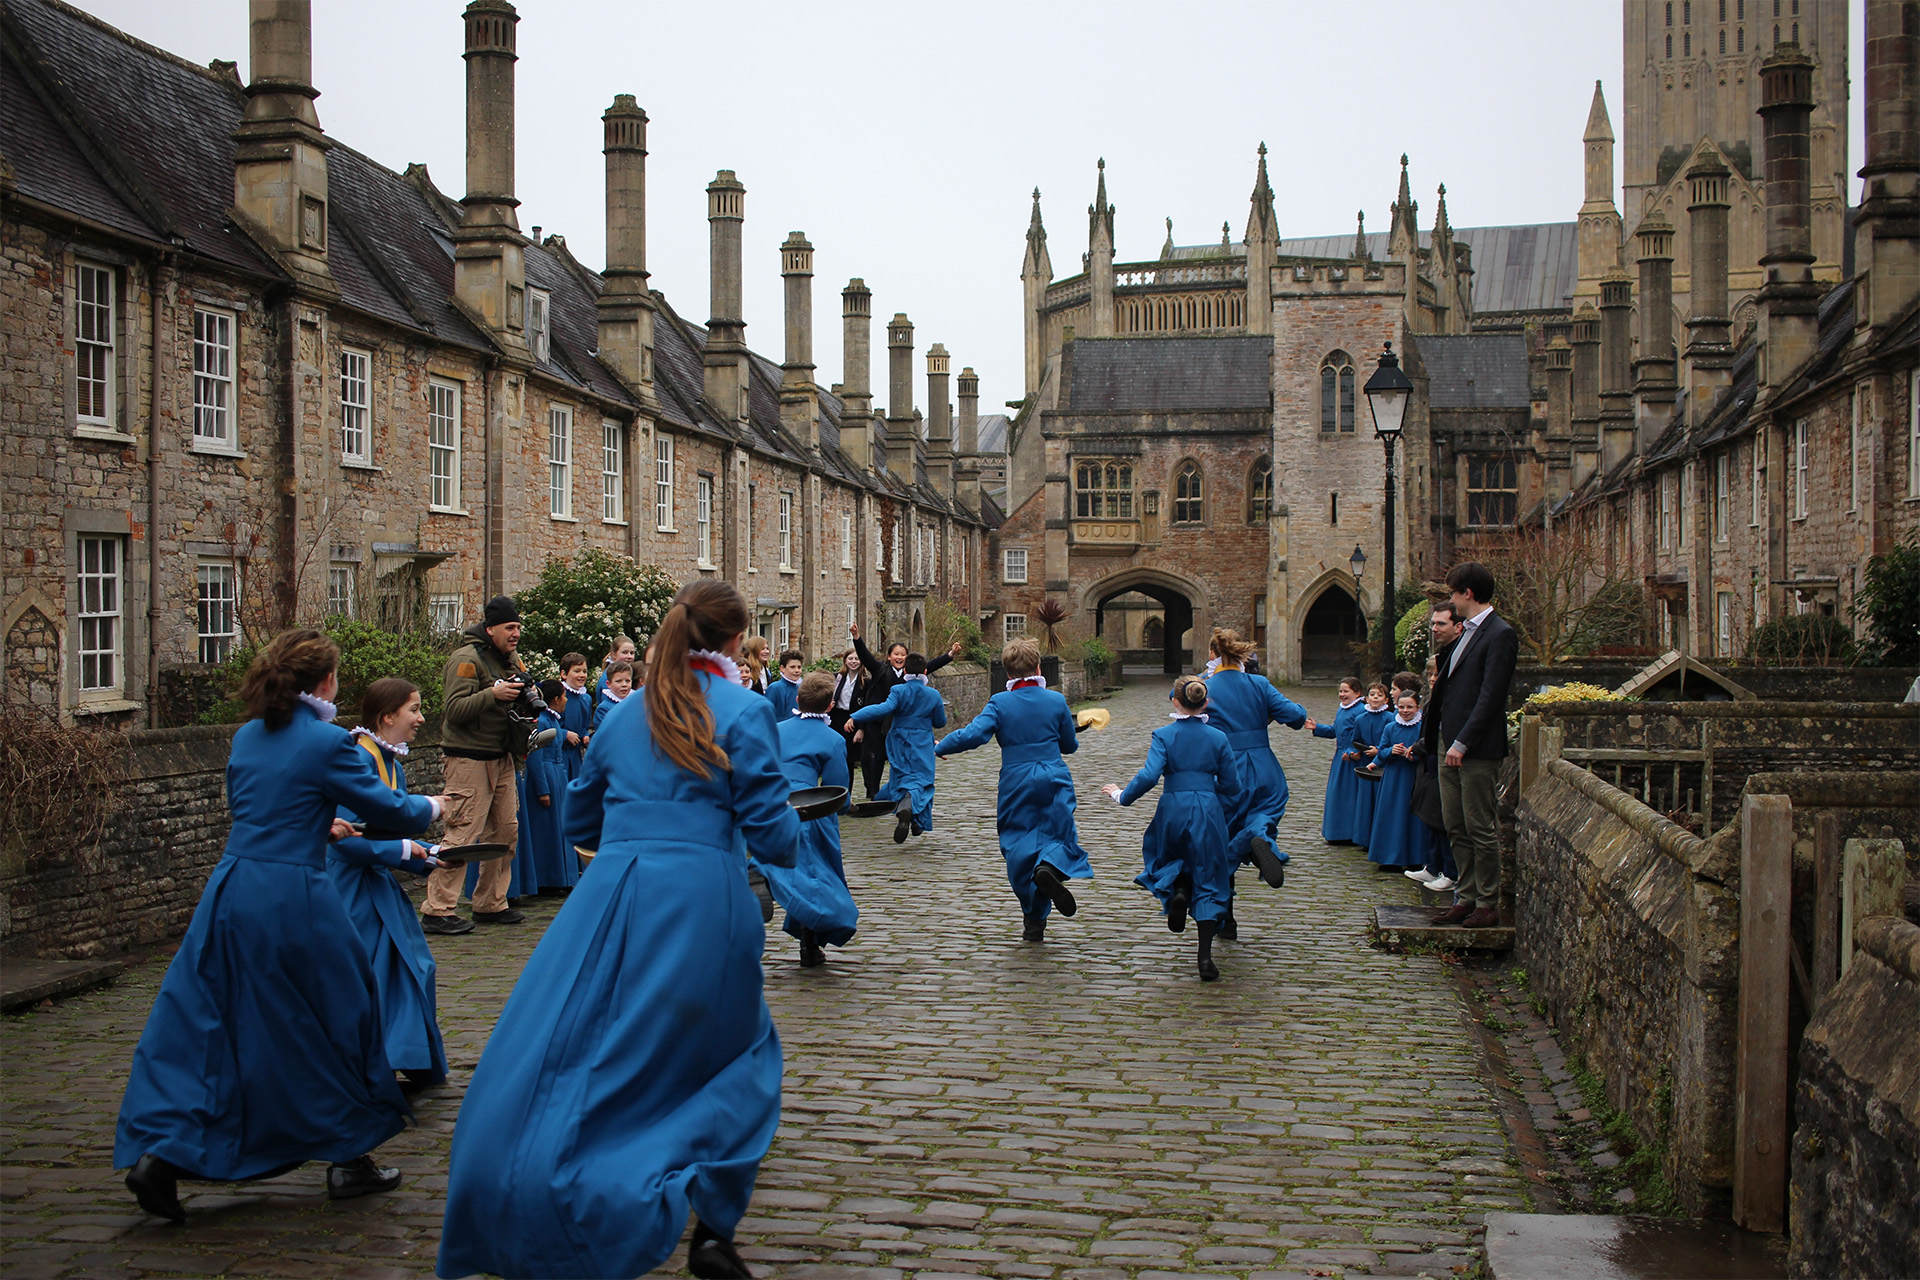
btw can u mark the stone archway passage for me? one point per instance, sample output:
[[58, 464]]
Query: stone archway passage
[[1327, 635], [1170, 635]]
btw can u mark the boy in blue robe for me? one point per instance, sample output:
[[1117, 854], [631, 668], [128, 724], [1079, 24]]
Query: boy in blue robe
[[577, 719], [784, 693], [914, 710], [814, 888], [554, 861], [619, 685]]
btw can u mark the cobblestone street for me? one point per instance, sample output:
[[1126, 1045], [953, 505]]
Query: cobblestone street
[[956, 1101]]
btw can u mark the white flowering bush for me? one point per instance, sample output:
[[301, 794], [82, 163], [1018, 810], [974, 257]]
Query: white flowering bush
[[579, 604]]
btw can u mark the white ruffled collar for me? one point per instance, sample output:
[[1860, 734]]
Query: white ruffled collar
[[729, 669], [391, 748], [919, 679], [1037, 682], [1403, 720], [1201, 716], [320, 707], [1349, 703], [810, 715]]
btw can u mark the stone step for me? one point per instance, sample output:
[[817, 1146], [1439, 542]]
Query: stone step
[[1397, 925], [28, 982]]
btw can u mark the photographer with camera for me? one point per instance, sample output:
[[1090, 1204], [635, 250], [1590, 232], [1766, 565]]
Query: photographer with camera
[[490, 706]]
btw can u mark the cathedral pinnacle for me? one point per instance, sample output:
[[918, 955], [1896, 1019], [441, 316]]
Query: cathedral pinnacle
[[1166, 250], [1360, 235], [1261, 223], [1100, 213], [1599, 128]]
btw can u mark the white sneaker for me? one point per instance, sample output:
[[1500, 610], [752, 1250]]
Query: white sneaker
[[1419, 873], [1441, 885]]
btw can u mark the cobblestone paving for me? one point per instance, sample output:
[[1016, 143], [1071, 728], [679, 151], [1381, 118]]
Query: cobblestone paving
[[957, 1102]]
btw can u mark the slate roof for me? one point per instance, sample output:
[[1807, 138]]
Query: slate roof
[[1171, 375], [1475, 370], [992, 432]]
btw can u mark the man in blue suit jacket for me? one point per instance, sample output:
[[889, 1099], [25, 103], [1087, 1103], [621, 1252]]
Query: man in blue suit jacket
[[1475, 677]]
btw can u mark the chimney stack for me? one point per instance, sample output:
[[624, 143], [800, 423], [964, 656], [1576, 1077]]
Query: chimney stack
[[1586, 391], [799, 397], [1559, 450], [489, 263], [856, 393], [1709, 354], [903, 427], [626, 303], [968, 442], [1790, 299], [1888, 224], [280, 154], [1616, 354], [939, 422], [1654, 389], [1100, 259], [725, 358]]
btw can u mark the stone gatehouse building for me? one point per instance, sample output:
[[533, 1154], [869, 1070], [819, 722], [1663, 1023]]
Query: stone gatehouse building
[[251, 377]]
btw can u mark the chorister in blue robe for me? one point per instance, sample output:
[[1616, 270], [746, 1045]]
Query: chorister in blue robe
[[389, 927], [634, 1074], [1035, 815], [1367, 727], [1188, 834], [784, 694], [264, 1048], [814, 889], [916, 709], [1343, 785], [576, 719], [604, 707], [555, 864], [1397, 838], [1241, 706]]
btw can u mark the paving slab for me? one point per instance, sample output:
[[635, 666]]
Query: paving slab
[[28, 982], [1401, 926]]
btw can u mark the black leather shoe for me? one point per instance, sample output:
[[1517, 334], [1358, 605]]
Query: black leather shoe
[[1209, 972], [506, 915], [763, 891], [449, 926], [153, 1183], [1049, 882], [712, 1258], [902, 820], [811, 956], [1035, 928], [1272, 870], [1177, 903], [360, 1177], [1229, 928]]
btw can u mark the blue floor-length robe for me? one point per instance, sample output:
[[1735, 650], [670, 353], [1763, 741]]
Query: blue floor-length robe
[[389, 928], [634, 1074], [1367, 727], [1188, 833], [1241, 706], [1035, 813], [1397, 838], [264, 1048], [555, 864], [814, 889], [915, 709], [1343, 785], [577, 719]]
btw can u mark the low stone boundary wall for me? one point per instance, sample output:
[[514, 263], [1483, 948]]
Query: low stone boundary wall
[[1768, 683], [1856, 1148], [964, 686]]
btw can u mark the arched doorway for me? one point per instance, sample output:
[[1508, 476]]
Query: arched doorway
[[1177, 609], [1327, 635]]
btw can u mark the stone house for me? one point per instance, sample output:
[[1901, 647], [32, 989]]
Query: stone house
[[252, 377]]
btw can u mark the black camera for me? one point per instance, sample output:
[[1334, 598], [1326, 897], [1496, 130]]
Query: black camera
[[529, 704]]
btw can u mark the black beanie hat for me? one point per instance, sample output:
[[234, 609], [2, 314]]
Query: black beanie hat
[[500, 609]]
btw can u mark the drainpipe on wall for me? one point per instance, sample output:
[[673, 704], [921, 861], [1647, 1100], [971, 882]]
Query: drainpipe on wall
[[153, 503]]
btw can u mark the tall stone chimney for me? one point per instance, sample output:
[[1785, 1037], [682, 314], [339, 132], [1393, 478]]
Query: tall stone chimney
[[1263, 247], [725, 358], [280, 154], [1100, 260], [1616, 353], [799, 396], [856, 392], [1559, 365], [903, 421], [1586, 391], [1709, 354], [1790, 299], [968, 440], [626, 303], [939, 422], [1654, 388], [489, 266], [1888, 224]]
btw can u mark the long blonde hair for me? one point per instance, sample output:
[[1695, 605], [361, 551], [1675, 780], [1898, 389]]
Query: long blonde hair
[[754, 649], [705, 615], [1229, 647]]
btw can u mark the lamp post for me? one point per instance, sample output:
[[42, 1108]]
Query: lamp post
[[1358, 563], [1388, 393]]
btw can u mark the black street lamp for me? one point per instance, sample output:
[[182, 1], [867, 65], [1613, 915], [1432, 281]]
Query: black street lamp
[[1358, 563], [1388, 393]]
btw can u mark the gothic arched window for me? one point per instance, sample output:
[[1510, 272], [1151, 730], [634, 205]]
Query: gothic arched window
[[1336, 392], [1186, 494], [1260, 492], [1103, 491]]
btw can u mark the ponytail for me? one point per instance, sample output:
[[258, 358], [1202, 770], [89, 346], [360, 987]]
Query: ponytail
[[295, 662], [705, 615], [1229, 647]]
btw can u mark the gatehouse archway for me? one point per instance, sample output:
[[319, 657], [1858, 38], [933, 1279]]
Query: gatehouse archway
[[1330, 628], [1182, 613]]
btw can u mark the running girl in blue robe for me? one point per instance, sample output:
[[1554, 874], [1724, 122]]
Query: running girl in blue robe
[[264, 1049], [914, 710], [634, 1075], [1242, 706], [1038, 838], [814, 888], [1368, 726], [1398, 838], [1188, 866], [1343, 785], [382, 913]]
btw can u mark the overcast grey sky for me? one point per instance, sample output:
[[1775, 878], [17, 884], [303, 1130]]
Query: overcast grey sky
[[904, 139]]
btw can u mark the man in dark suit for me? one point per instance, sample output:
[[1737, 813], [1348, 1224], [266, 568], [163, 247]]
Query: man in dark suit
[[1468, 724]]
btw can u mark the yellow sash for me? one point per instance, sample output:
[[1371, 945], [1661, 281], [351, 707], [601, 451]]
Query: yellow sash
[[372, 748]]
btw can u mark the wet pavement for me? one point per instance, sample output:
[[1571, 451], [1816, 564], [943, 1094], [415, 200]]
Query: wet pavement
[[957, 1101]]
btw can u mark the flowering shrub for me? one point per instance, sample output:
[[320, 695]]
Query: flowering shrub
[[1560, 695], [579, 604]]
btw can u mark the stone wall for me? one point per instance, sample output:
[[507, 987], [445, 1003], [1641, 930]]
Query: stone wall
[[964, 686], [1856, 1145], [1773, 684]]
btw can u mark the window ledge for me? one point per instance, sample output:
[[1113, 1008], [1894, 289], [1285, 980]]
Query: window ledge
[[788, 570], [355, 464], [621, 523], [448, 511], [751, 569], [105, 706], [564, 519], [215, 450], [665, 528], [105, 435], [705, 564]]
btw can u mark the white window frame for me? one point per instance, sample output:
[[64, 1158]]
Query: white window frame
[[663, 483], [918, 560], [216, 595], [1853, 451], [1722, 496], [1686, 503], [539, 324], [613, 471], [100, 593], [213, 382], [899, 569], [784, 632], [96, 328], [444, 412], [560, 461], [341, 584], [846, 539], [960, 550], [1723, 624], [1758, 451], [1666, 510], [1802, 465], [753, 494], [1013, 626], [786, 532], [1008, 573], [444, 612], [703, 521], [356, 406]]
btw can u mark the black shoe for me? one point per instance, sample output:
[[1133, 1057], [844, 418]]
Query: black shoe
[[417, 1078], [1177, 903], [1035, 929], [153, 1183], [451, 926], [811, 956], [1229, 928], [506, 915], [1049, 882], [1272, 870], [902, 820], [757, 882], [712, 1258], [360, 1177], [1209, 972]]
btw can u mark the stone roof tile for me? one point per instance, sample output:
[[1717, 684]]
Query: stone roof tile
[[1171, 375]]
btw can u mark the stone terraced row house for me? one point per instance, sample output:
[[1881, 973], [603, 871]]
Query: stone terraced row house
[[249, 376]]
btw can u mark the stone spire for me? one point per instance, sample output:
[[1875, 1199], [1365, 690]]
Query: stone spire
[[1166, 250], [1263, 248], [1036, 273], [1100, 259], [1403, 230], [1360, 235], [1599, 144], [1599, 244]]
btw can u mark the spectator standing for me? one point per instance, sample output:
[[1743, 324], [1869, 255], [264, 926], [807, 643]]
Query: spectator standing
[[1470, 726]]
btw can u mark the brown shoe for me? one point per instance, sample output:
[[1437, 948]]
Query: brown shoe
[[1454, 914], [1482, 918]]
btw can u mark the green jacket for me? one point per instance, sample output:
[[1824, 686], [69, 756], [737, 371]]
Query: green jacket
[[473, 719]]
